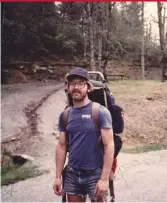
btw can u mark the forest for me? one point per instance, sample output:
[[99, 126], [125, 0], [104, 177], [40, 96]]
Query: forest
[[86, 33]]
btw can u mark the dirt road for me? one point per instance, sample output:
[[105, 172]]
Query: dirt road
[[145, 174], [15, 98]]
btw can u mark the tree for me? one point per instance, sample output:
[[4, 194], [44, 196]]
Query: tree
[[90, 8], [97, 32], [162, 36], [142, 45]]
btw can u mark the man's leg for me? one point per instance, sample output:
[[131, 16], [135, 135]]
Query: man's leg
[[91, 180], [72, 188]]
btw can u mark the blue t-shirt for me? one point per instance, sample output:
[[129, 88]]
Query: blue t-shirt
[[83, 137]]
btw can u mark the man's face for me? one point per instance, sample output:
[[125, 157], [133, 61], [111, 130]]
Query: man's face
[[78, 88]]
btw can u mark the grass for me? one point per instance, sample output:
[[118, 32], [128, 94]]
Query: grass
[[13, 173], [144, 148], [145, 120], [130, 86]]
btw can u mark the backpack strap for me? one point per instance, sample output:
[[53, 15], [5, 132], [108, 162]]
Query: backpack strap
[[65, 116], [95, 113], [95, 117]]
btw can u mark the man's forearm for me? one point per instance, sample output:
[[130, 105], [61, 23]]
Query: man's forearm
[[60, 159], [108, 160]]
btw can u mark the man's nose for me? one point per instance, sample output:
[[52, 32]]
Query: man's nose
[[76, 86]]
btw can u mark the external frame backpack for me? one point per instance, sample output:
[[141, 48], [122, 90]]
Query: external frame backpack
[[116, 112], [101, 94]]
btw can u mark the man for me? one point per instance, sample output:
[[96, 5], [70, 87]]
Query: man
[[89, 166]]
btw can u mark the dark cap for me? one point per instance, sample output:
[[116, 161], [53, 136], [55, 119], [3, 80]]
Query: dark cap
[[78, 72]]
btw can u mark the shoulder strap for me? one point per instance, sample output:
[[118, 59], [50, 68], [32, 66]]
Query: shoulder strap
[[95, 117], [65, 116], [95, 113]]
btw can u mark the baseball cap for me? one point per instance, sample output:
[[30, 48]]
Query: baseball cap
[[78, 72]]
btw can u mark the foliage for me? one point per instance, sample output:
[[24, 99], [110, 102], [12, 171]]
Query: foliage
[[31, 31], [14, 173]]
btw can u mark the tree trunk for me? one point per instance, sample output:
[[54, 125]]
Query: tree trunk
[[104, 67], [99, 50], [161, 25], [100, 33], [142, 45], [108, 14], [85, 45], [91, 38]]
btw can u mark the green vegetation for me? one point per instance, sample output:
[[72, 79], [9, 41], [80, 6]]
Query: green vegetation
[[144, 148], [131, 87], [13, 173], [48, 30]]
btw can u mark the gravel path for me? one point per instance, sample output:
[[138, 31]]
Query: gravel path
[[13, 104], [145, 174]]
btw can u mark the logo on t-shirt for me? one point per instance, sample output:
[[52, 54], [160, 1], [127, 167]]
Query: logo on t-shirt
[[86, 116]]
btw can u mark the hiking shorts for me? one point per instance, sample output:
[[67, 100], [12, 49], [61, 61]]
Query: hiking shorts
[[81, 182]]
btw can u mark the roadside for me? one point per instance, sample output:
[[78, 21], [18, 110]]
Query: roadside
[[20, 103], [43, 150]]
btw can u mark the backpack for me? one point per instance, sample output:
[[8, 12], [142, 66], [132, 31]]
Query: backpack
[[116, 112], [95, 113], [102, 95]]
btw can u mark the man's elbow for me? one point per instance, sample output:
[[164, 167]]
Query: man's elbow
[[60, 148], [109, 145]]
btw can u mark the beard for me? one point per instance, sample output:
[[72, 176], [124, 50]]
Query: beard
[[78, 96]]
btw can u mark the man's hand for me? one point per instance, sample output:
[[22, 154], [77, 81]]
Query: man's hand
[[57, 186], [101, 188]]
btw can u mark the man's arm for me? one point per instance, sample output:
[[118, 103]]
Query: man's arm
[[103, 183], [108, 142], [60, 154]]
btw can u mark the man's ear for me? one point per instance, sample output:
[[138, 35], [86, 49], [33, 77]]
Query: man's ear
[[66, 87], [90, 87], [68, 90]]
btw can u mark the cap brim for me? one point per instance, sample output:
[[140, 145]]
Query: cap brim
[[72, 76]]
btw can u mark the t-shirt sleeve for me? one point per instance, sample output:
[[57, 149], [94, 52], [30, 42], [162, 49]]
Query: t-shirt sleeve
[[60, 124], [105, 119]]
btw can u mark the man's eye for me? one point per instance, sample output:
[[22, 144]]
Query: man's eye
[[72, 84]]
